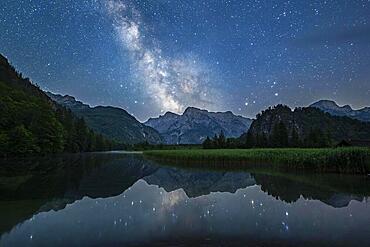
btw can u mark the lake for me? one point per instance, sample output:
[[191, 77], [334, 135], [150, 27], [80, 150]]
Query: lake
[[119, 199]]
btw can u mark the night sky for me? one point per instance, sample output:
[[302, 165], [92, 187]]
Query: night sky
[[153, 56]]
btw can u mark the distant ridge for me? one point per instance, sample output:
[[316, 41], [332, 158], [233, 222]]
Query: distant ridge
[[333, 108]]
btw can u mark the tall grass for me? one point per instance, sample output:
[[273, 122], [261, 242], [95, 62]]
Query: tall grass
[[340, 160]]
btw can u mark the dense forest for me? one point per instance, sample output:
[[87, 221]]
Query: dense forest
[[280, 126], [31, 123], [280, 136]]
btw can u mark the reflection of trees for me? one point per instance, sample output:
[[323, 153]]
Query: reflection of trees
[[333, 190], [33, 185], [278, 187]]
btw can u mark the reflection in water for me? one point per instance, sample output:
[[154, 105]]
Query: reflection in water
[[198, 183], [109, 199], [31, 186]]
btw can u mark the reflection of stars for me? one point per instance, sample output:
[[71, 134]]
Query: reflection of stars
[[285, 225]]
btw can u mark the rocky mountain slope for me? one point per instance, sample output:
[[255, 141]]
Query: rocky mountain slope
[[333, 108], [194, 125], [112, 122]]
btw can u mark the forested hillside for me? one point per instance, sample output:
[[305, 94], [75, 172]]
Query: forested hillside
[[114, 123], [31, 123], [302, 127]]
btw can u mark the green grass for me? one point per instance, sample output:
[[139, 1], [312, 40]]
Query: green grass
[[340, 160]]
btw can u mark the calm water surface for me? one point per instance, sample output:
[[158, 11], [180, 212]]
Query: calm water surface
[[124, 200]]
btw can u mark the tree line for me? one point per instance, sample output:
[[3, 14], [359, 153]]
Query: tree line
[[220, 141], [280, 137]]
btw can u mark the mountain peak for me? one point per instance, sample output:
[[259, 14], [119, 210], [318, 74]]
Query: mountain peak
[[192, 109], [68, 97], [67, 100], [347, 107], [331, 105], [170, 114], [333, 108], [195, 124], [325, 103], [59, 96]]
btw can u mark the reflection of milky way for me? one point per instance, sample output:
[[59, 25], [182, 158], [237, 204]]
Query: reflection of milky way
[[147, 214], [172, 83]]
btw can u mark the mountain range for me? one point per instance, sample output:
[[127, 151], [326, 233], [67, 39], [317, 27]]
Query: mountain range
[[23, 121], [114, 123], [194, 125], [333, 108]]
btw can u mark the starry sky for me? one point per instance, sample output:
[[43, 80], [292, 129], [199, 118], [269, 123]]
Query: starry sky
[[153, 56]]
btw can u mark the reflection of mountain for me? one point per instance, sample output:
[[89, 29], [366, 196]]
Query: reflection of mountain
[[76, 176], [318, 187], [38, 186], [113, 179], [288, 188], [108, 180], [198, 183]]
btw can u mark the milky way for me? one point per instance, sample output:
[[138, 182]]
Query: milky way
[[150, 56], [173, 83]]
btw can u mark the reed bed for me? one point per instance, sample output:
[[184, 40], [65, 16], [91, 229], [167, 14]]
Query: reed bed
[[339, 160]]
